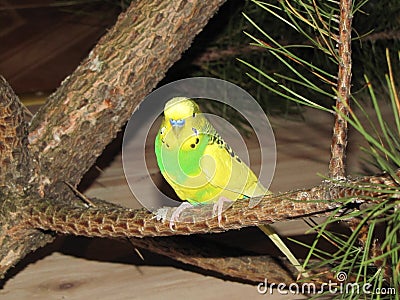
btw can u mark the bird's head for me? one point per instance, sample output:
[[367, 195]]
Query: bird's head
[[178, 110], [183, 125]]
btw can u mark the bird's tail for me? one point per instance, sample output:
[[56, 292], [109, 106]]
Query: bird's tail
[[268, 230]]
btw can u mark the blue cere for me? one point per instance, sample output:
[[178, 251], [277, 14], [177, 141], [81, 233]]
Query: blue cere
[[177, 123]]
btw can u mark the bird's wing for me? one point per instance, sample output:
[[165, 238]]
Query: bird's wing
[[225, 170]]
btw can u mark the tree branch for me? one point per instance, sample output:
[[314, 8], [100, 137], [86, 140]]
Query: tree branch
[[214, 257], [245, 267], [14, 160], [337, 164], [16, 240], [112, 221], [383, 35], [109, 220]]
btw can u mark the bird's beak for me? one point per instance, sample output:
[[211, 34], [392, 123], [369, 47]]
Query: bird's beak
[[177, 126], [176, 130]]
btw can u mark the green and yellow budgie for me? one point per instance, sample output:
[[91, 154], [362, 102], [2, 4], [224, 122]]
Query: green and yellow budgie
[[201, 167]]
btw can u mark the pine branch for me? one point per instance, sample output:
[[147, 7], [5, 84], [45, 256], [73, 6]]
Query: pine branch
[[216, 54], [374, 251], [112, 221], [337, 164], [109, 220], [16, 165]]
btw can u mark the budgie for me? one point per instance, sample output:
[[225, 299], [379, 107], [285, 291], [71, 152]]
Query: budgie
[[202, 168]]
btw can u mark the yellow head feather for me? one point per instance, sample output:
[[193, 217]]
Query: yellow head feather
[[180, 108]]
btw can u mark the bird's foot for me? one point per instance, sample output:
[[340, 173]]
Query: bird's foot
[[161, 214], [219, 207], [176, 213]]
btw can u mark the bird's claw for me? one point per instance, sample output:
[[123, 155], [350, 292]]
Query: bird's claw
[[176, 213], [219, 206], [161, 214]]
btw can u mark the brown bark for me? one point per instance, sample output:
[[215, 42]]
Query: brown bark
[[337, 164], [109, 220], [15, 170]]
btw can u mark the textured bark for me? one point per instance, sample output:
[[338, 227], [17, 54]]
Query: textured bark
[[14, 161], [337, 164], [16, 240], [109, 220]]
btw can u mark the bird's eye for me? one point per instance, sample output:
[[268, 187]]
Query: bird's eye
[[194, 114], [162, 130]]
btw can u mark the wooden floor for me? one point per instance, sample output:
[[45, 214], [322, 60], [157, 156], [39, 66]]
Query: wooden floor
[[81, 268]]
